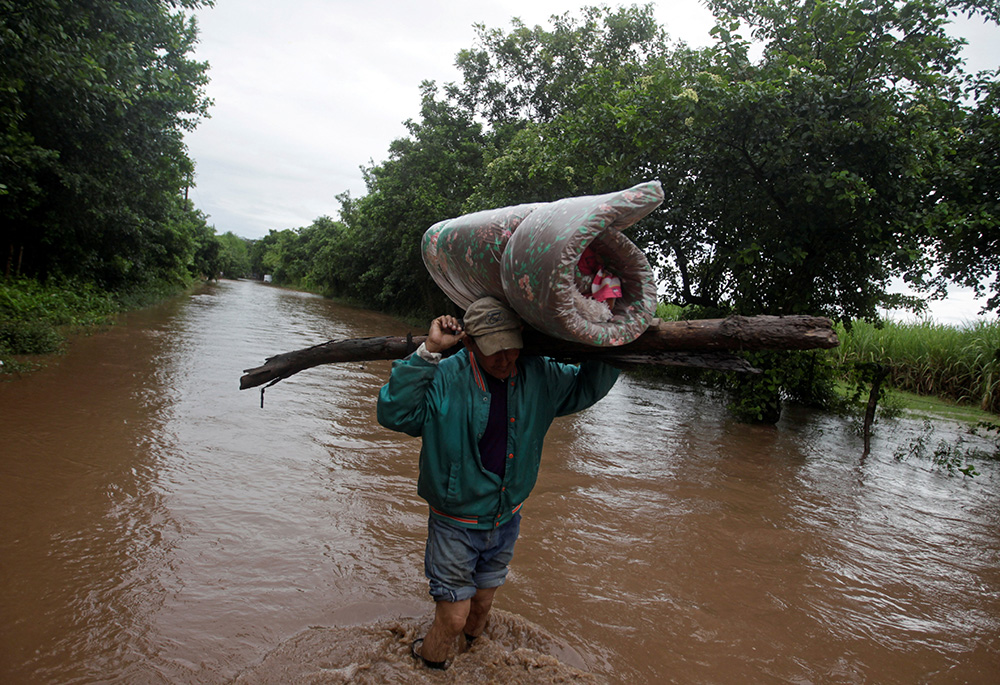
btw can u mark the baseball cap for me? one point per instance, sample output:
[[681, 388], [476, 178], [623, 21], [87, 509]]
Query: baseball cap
[[494, 326]]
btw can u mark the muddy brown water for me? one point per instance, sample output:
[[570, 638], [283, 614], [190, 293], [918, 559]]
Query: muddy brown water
[[158, 526]]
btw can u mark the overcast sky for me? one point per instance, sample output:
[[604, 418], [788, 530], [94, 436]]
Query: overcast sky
[[307, 91]]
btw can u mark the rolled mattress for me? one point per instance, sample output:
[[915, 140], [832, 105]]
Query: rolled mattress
[[530, 257]]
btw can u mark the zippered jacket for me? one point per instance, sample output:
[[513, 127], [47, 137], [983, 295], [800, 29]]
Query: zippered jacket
[[447, 404]]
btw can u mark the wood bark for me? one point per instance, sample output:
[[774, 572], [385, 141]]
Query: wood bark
[[880, 373], [708, 343]]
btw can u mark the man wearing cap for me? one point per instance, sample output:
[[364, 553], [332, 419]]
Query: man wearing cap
[[482, 413]]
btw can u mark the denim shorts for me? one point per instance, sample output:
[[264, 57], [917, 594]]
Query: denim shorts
[[458, 561]]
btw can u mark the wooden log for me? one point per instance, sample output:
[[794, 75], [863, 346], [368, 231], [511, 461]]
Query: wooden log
[[734, 333], [708, 343]]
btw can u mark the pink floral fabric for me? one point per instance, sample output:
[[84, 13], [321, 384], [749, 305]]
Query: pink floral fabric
[[463, 254], [529, 256]]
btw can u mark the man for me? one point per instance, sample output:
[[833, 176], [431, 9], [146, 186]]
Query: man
[[482, 414]]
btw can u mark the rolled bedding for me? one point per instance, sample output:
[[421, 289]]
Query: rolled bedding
[[463, 254], [564, 266]]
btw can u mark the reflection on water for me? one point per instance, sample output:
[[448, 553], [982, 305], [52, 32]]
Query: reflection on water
[[160, 527]]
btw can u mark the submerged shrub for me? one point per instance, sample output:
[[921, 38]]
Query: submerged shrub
[[31, 314], [28, 337], [58, 304]]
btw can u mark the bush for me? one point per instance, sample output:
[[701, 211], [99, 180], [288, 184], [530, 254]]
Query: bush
[[57, 304], [31, 314], [28, 337]]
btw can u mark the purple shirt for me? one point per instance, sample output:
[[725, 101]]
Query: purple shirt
[[493, 444]]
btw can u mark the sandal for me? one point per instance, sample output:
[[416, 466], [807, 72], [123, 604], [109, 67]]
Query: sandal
[[438, 665]]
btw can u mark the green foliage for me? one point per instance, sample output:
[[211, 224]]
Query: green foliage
[[669, 312], [28, 337], [534, 74], [59, 304], [300, 257], [953, 456], [853, 151], [233, 256], [803, 377], [800, 183], [550, 95], [965, 222], [31, 314], [804, 181], [94, 101]]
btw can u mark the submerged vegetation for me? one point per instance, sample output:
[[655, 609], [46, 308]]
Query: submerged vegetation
[[34, 317], [957, 455]]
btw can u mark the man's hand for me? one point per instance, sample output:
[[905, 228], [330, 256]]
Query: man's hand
[[445, 333]]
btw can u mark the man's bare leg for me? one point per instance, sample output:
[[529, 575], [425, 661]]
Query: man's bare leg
[[482, 601], [449, 620]]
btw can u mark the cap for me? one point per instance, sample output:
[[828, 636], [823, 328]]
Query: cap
[[494, 326]]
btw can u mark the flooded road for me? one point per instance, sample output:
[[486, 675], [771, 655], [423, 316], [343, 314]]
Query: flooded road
[[160, 527]]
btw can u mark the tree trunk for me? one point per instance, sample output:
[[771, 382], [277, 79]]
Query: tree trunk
[[708, 343], [879, 375]]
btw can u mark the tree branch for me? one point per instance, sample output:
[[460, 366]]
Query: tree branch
[[708, 343]]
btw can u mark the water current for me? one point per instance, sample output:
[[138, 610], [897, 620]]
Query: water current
[[160, 527]]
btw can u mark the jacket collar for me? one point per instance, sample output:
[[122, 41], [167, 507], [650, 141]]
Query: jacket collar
[[477, 373]]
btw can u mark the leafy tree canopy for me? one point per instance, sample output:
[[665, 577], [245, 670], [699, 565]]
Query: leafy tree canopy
[[853, 150], [94, 100], [803, 181]]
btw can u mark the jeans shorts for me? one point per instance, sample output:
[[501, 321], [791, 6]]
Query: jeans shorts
[[458, 561]]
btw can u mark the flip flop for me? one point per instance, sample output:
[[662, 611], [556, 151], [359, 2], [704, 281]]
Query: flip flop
[[439, 665]]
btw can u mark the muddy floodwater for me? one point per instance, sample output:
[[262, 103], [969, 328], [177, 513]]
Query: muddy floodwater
[[158, 526]]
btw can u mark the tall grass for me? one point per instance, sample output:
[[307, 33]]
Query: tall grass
[[959, 363]]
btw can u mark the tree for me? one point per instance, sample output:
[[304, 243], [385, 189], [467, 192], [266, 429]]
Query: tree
[[94, 100], [804, 182], [427, 178], [546, 95], [234, 255], [965, 222]]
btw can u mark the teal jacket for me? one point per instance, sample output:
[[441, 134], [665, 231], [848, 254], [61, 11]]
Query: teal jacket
[[447, 404]]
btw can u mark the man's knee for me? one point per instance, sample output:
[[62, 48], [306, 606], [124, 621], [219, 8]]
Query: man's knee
[[483, 600], [451, 616], [453, 624]]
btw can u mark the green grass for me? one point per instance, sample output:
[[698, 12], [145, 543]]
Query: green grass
[[58, 304], [923, 406], [961, 364], [900, 402], [35, 317]]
